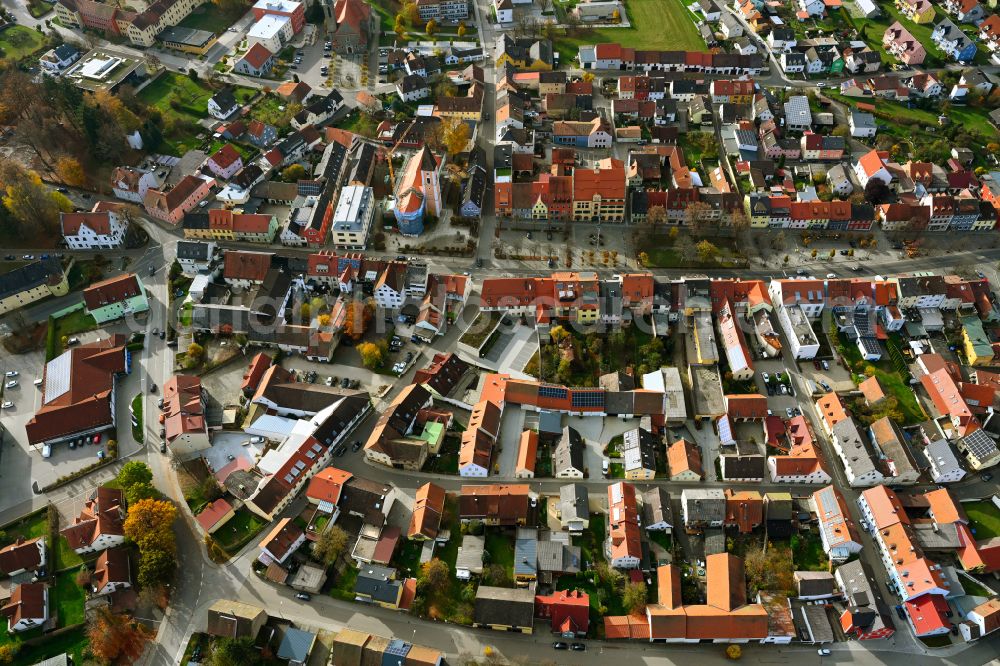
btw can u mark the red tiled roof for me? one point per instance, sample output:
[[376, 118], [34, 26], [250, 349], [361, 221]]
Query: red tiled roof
[[213, 513], [327, 484], [239, 265], [99, 222], [112, 290], [86, 403], [104, 514], [226, 156], [427, 510], [20, 555], [257, 55]]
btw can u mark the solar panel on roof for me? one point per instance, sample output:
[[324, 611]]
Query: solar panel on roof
[[588, 398], [550, 391]]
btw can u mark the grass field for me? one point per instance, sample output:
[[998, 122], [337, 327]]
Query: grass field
[[892, 383], [969, 117], [238, 532], [18, 42], [210, 17], [655, 24], [69, 599], [985, 517]]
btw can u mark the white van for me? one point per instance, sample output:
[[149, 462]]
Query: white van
[[46, 451], [38, 382]]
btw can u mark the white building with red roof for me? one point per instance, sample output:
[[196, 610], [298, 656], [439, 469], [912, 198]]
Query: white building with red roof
[[97, 230], [100, 524]]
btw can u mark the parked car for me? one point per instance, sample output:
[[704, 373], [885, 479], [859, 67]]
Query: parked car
[[823, 652], [257, 439], [303, 596], [578, 647], [47, 451], [766, 377], [8, 404], [826, 365], [12, 384], [11, 373], [560, 645], [356, 445], [163, 446], [345, 382], [152, 388]]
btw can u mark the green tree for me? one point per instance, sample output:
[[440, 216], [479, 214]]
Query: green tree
[[156, 567], [233, 652], [634, 598], [371, 355], [134, 472], [436, 574], [140, 491], [707, 251], [330, 545], [293, 173]]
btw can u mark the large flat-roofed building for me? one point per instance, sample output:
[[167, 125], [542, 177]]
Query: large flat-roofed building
[[106, 69], [352, 219], [187, 40]]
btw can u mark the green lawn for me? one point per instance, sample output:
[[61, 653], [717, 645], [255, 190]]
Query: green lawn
[[31, 526], [500, 547], [661, 538], [179, 96], [72, 642], [655, 24], [77, 321], [591, 542], [892, 383], [272, 110], [446, 459], [985, 518], [871, 30], [807, 552], [210, 17], [238, 532], [974, 588], [343, 587], [18, 42], [69, 599], [66, 557], [918, 120], [138, 431]]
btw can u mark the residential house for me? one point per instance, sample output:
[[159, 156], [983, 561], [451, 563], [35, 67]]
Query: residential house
[[657, 515], [837, 532], [574, 507], [703, 507], [495, 504], [225, 162], [504, 609], [527, 455], [566, 611], [57, 60], [283, 540], [97, 230], [100, 524], [638, 454], [953, 41], [257, 61], [865, 617], [27, 607], [223, 104], [23, 555], [476, 450], [185, 421], [624, 542], [235, 619], [170, 206], [112, 572], [982, 620], [394, 441], [567, 457], [684, 461], [862, 125], [918, 11], [899, 42]]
